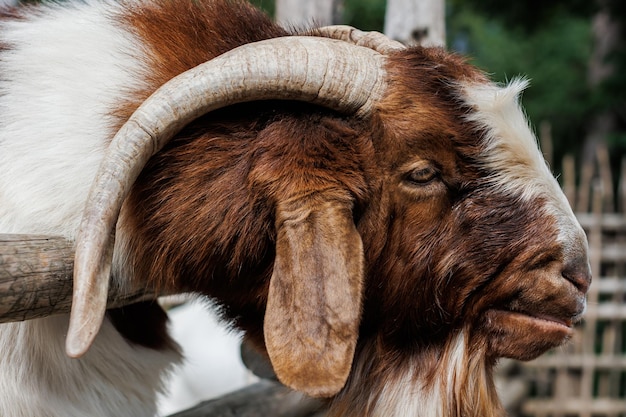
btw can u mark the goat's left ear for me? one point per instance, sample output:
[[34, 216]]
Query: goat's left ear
[[314, 303]]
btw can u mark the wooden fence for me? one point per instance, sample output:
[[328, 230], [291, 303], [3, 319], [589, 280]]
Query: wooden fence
[[587, 378]]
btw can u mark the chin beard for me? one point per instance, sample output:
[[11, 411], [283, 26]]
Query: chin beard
[[453, 380]]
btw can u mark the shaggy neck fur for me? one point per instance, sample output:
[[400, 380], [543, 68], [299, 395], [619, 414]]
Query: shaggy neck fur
[[456, 382]]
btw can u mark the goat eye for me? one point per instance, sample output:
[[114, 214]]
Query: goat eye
[[422, 175]]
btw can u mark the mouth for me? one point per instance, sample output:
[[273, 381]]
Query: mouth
[[539, 322], [524, 336]]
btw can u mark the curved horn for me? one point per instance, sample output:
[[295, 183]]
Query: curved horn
[[328, 72], [373, 40]]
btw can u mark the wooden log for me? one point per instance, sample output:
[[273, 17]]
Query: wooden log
[[622, 187], [262, 399], [575, 407], [604, 168], [583, 197], [610, 222], [36, 278], [546, 142], [257, 363], [569, 179]]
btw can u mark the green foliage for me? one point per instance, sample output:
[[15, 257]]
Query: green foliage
[[614, 89], [554, 57], [528, 15], [268, 5], [365, 14], [551, 42]]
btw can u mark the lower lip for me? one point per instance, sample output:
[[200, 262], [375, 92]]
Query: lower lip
[[542, 324]]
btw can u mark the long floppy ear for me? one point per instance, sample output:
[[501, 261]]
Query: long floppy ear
[[314, 303]]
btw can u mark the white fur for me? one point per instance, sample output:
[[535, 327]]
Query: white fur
[[213, 365], [406, 398], [410, 396], [457, 385], [114, 378], [514, 156], [58, 83], [511, 149]]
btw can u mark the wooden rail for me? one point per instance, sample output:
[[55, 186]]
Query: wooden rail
[[36, 278], [263, 399]]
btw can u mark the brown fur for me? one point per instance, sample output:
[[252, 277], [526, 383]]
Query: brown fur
[[442, 245]]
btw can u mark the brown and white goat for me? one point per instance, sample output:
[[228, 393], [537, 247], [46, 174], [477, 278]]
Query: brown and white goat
[[378, 219]]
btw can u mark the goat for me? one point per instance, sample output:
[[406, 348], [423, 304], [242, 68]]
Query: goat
[[377, 219]]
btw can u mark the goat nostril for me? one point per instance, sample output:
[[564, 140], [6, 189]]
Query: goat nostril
[[579, 274]]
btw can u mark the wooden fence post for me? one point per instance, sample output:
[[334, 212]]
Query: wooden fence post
[[263, 399]]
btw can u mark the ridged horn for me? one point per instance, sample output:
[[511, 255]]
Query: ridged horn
[[327, 72], [373, 40]]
